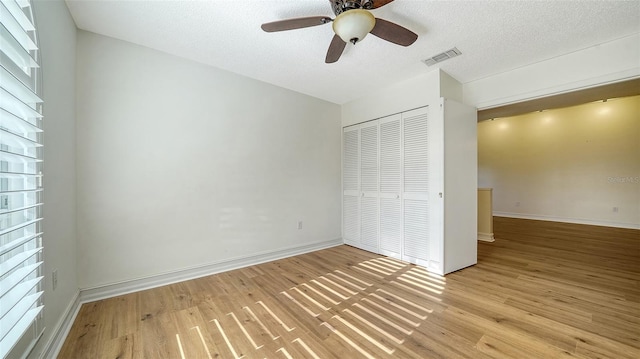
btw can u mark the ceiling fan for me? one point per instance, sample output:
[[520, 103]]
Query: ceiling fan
[[352, 23]]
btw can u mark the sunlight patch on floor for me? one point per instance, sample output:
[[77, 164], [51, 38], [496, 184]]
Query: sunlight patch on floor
[[371, 320]]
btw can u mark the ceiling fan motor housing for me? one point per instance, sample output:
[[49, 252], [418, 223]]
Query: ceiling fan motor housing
[[340, 6]]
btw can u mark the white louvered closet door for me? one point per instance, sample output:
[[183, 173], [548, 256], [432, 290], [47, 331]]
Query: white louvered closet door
[[390, 186], [369, 172], [350, 185], [415, 204]]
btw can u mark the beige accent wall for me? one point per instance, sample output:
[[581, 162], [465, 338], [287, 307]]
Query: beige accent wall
[[579, 164], [485, 214]]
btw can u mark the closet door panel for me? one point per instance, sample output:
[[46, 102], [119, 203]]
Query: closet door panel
[[390, 156], [391, 227], [390, 186], [351, 220], [416, 152], [369, 223], [415, 186], [369, 159], [350, 185], [369, 178], [416, 230]]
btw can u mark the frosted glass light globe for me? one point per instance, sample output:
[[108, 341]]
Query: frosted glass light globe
[[353, 25]]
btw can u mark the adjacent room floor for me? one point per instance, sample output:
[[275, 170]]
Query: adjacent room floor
[[541, 290]]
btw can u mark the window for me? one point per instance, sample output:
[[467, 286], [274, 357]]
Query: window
[[20, 180]]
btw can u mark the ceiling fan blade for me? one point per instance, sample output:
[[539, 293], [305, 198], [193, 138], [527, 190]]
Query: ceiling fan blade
[[335, 49], [380, 3], [297, 23], [393, 32]]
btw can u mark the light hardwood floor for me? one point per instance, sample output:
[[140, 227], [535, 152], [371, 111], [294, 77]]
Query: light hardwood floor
[[541, 290]]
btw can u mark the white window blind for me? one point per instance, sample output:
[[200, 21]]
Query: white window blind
[[20, 180]]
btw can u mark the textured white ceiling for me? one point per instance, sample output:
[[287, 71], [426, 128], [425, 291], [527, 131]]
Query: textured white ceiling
[[494, 36]]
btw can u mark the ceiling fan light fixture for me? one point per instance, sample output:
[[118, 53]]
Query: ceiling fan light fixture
[[353, 25]]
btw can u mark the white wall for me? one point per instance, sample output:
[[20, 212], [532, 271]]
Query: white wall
[[572, 165], [183, 165], [610, 62], [460, 167], [57, 33], [406, 95]]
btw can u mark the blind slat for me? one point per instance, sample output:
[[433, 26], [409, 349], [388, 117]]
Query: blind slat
[[16, 277], [22, 191], [21, 91], [14, 27], [15, 261], [18, 242], [14, 51], [16, 11], [15, 140], [7, 343], [17, 158], [19, 291], [15, 210], [18, 175], [17, 108], [16, 314], [23, 3], [18, 226]]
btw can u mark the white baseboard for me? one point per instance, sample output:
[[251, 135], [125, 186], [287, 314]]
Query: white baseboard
[[485, 237], [591, 222], [134, 285], [62, 328]]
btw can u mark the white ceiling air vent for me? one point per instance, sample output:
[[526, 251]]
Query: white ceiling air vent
[[442, 56]]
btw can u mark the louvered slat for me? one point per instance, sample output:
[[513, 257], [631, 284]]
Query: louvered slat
[[369, 222], [350, 218], [390, 224], [416, 154], [350, 160], [390, 160], [369, 158], [416, 229]]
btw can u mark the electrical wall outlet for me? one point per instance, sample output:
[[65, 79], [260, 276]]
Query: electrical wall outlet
[[299, 224], [615, 209]]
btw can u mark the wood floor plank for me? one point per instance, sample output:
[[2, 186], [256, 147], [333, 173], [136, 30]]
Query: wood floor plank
[[541, 290], [125, 347]]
